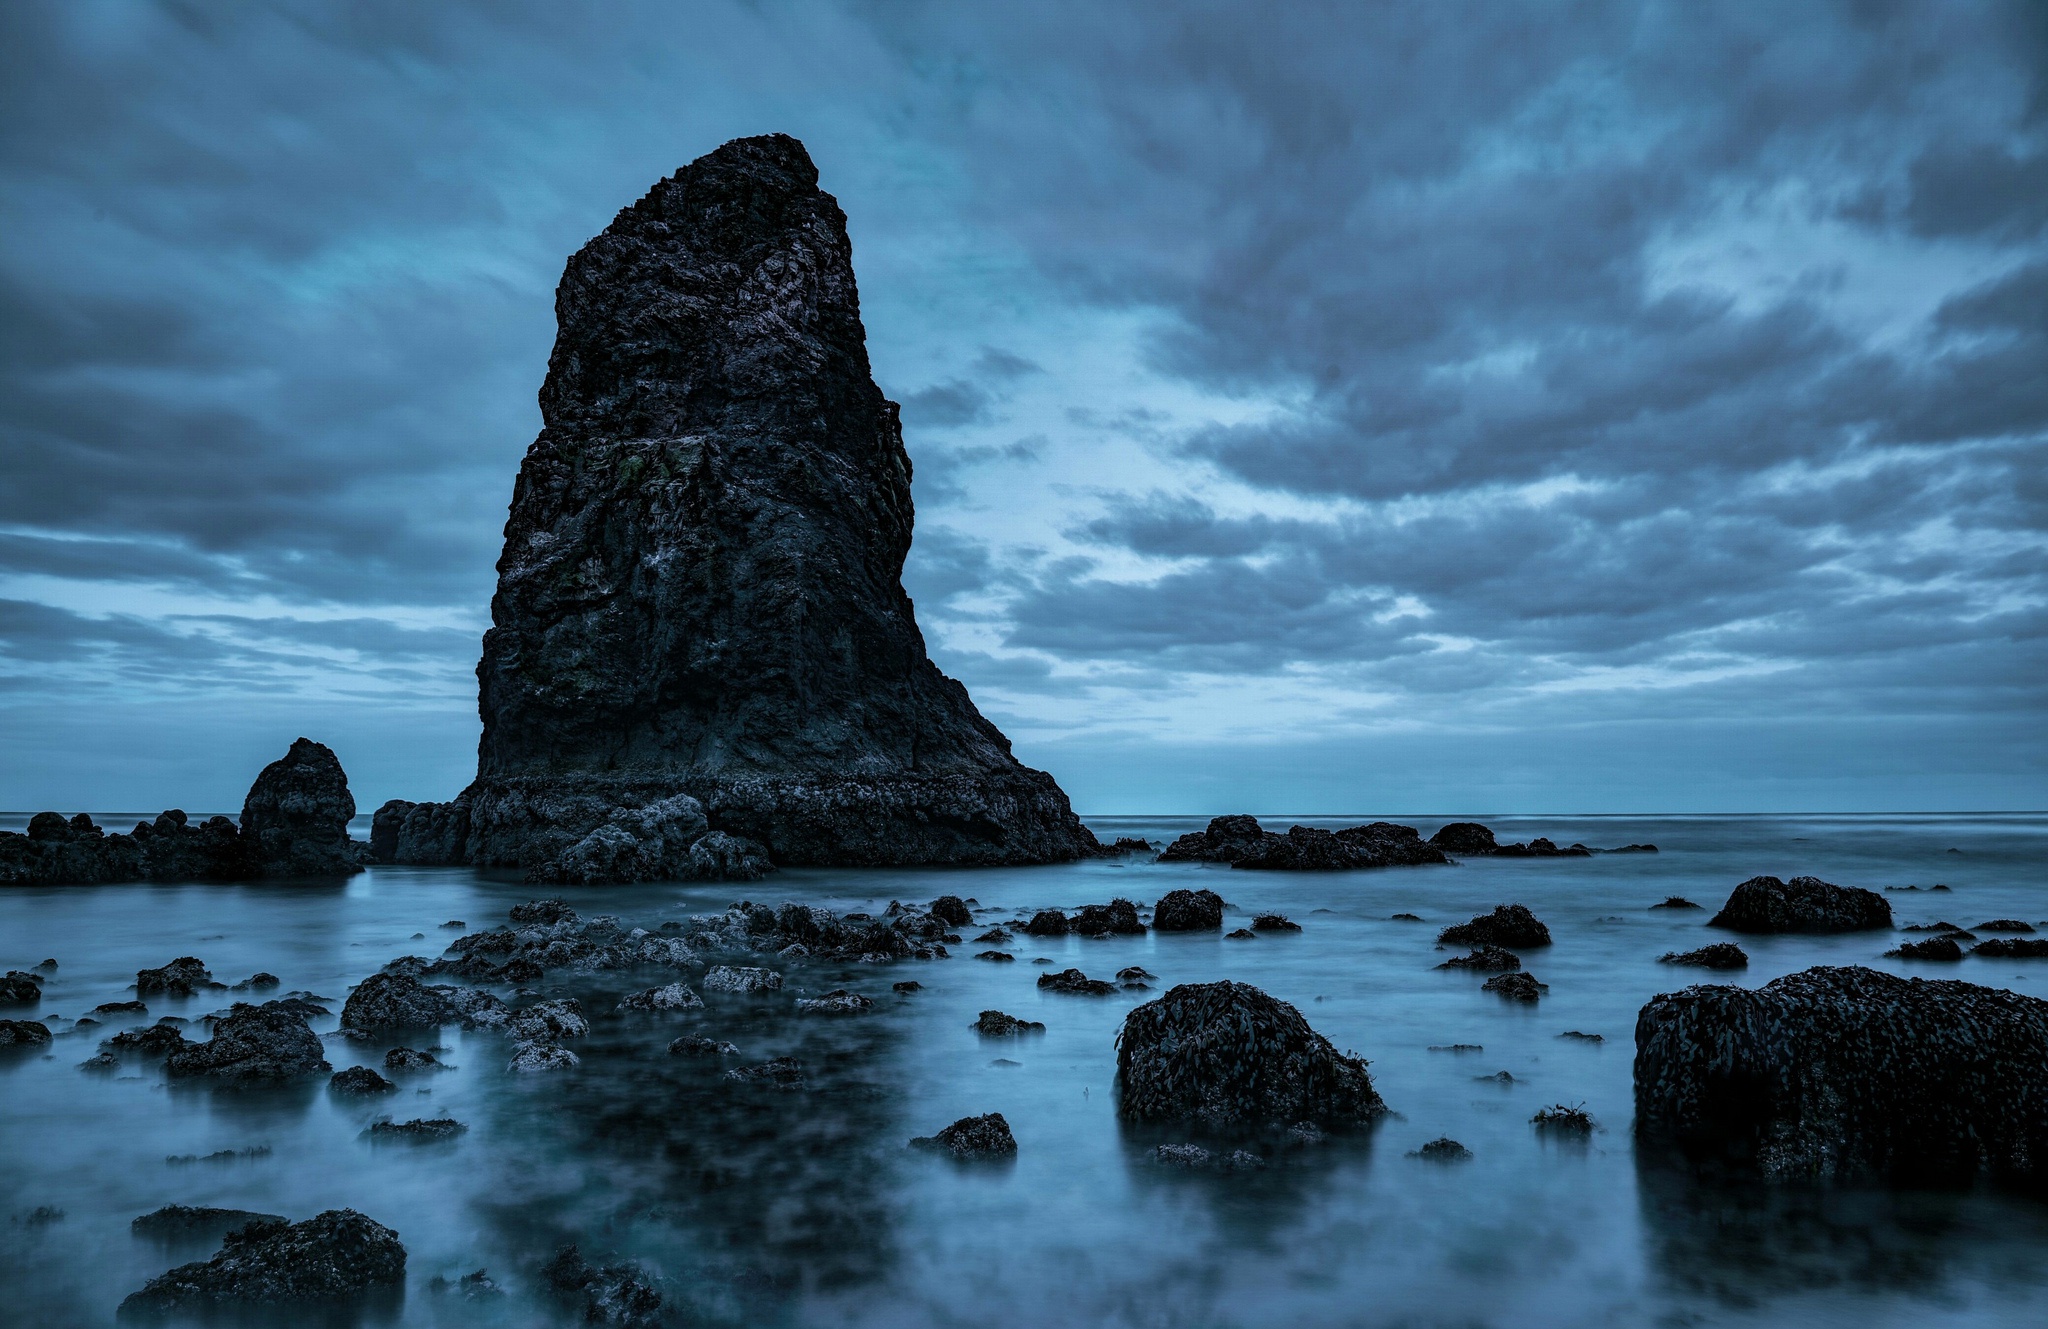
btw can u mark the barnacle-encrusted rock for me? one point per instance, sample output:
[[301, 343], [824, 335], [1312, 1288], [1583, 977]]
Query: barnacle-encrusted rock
[[973, 1137], [1507, 925], [154, 1040], [777, 1073], [549, 1021], [333, 1255], [1230, 1056], [253, 1044], [1188, 911], [395, 1001], [1241, 842], [420, 1130], [537, 1058], [410, 1059], [1485, 958], [2010, 948], [1803, 904], [1852, 1074], [701, 587], [1720, 955]]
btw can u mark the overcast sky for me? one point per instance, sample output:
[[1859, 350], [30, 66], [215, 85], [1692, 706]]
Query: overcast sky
[[1391, 408]]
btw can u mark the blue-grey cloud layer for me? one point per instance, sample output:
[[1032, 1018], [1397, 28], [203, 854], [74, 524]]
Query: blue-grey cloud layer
[[1649, 364]]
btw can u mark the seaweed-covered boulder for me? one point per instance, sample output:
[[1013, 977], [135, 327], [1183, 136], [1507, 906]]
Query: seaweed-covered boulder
[[295, 819], [1720, 955], [1486, 959], [1229, 1056], [395, 1001], [1803, 904], [1508, 925], [980, 1137], [185, 976], [1464, 837], [253, 1044], [1118, 917], [1934, 948], [329, 1257], [1077, 983], [1188, 911], [23, 1033], [1851, 1074]]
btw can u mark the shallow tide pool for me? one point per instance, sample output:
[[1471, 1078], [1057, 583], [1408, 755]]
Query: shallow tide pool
[[758, 1207]]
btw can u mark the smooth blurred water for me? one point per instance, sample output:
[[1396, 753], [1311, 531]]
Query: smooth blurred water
[[762, 1208]]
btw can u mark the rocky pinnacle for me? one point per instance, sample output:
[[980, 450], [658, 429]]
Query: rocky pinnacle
[[701, 587]]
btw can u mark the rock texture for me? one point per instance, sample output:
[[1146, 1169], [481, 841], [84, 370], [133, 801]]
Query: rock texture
[[1231, 1057], [1803, 904], [1188, 911], [1241, 842], [973, 1138], [335, 1255], [294, 824], [264, 1044], [1852, 1074], [700, 592], [1508, 925]]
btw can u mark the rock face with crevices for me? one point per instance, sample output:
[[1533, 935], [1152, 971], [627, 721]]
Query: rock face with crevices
[[295, 819], [1849, 1074], [701, 586], [331, 1256], [1229, 1056], [1803, 904]]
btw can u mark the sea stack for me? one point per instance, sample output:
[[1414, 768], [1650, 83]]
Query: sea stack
[[701, 590]]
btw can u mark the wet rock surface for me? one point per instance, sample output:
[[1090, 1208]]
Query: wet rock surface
[[1803, 904], [1443, 1149], [1485, 958], [700, 592], [1720, 955], [983, 1137], [359, 1080], [295, 819], [1847, 1073], [253, 1045], [23, 1033], [186, 976], [1188, 911], [1934, 948], [1076, 983], [619, 1294], [1515, 987], [20, 988], [696, 1045], [995, 1024], [1229, 1056], [1508, 925], [1241, 842], [395, 1001], [420, 1130], [332, 1256], [669, 997], [2011, 948]]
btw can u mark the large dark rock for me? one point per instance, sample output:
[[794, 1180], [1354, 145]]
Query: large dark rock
[[183, 977], [981, 1137], [700, 591], [1803, 904], [253, 1045], [1464, 837], [1188, 911], [20, 988], [1241, 842], [395, 1001], [1118, 917], [23, 1033], [1229, 1056], [1508, 925], [296, 816], [332, 1256], [1851, 1074]]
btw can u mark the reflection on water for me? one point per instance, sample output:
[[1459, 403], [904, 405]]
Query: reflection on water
[[750, 1205]]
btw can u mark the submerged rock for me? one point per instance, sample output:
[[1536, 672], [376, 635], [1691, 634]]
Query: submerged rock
[[1720, 955], [1508, 925], [673, 997], [1188, 911], [420, 1130], [777, 1073], [359, 1080], [1485, 958], [331, 1256], [1241, 842], [410, 1059], [995, 1024], [395, 1001], [253, 1044], [1443, 1149], [23, 1033], [618, 1294], [1274, 923], [973, 1138], [695, 1045], [701, 586], [1803, 904], [1230, 1056], [1075, 982], [1850, 1074]]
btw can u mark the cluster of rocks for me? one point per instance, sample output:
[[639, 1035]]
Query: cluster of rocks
[[1117, 918], [1849, 1074], [267, 1261], [1469, 839], [1229, 1056], [583, 839], [1241, 842], [1803, 904], [294, 824]]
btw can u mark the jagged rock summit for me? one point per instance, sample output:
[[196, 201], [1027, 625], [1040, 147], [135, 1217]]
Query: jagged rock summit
[[700, 596]]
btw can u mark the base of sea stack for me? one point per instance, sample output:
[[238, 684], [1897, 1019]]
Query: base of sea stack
[[1018, 817]]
